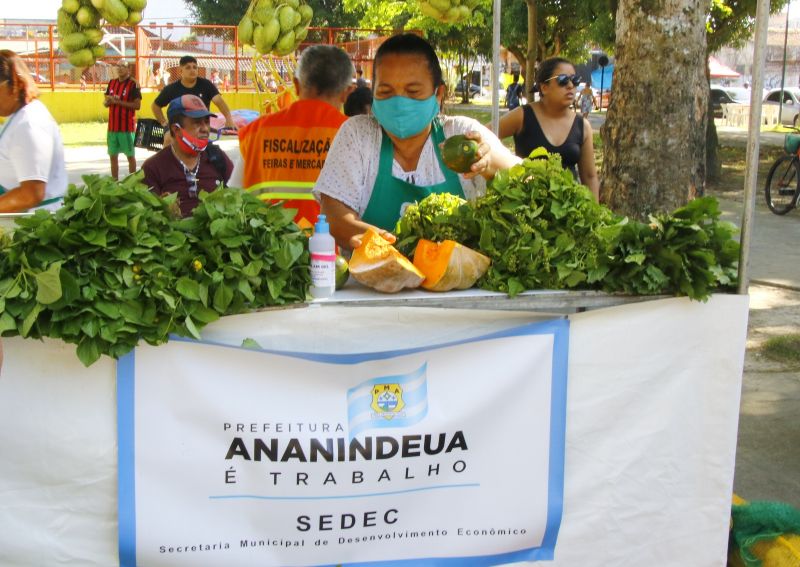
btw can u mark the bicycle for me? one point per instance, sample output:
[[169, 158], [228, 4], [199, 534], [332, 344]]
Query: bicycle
[[783, 193]]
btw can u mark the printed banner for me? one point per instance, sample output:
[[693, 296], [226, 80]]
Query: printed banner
[[449, 454]]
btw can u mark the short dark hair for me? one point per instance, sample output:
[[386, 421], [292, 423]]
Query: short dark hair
[[410, 44], [548, 67], [357, 101], [187, 59], [325, 69]]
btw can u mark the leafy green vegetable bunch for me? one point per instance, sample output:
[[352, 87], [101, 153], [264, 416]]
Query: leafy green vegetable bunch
[[113, 266], [245, 254], [689, 252], [98, 273], [540, 228], [437, 217], [543, 230]]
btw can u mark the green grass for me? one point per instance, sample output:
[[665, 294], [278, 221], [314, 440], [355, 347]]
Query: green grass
[[780, 129], [784, 349], [733, 159], [482, 116], [84, 133]]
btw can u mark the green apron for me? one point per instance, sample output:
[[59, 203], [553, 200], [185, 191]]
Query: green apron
[[390, 194], [41, 204]]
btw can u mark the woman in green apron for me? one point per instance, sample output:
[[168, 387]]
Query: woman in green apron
[[379, 164], [32, 169]]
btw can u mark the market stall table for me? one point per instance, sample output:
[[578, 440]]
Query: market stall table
[[651, 419]]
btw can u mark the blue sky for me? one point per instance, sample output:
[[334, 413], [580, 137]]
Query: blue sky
[[157, 10]]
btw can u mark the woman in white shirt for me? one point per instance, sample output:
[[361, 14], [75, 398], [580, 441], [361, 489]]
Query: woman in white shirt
[[32, 169], [378, 164]]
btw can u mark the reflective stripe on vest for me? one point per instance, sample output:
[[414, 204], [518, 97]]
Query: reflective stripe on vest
[[280, 190]]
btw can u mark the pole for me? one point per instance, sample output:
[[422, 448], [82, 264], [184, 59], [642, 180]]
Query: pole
[[236, 58], [496, 65], [603, 62], [137, 63], [783, 70], [602, 79], [52, 64], [751, 167]]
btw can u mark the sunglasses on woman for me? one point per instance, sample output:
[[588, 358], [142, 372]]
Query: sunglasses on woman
[[563, 79]]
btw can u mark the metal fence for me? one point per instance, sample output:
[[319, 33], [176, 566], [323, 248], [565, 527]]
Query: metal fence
[[155, 49]]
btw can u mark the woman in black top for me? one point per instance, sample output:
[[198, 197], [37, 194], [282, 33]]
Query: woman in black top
[[551, 123]]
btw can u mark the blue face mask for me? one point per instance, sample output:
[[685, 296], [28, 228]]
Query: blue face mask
[[403, 116]]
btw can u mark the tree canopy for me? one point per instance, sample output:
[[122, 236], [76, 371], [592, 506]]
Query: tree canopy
[[567, 28], [458, 45], [327, 13], [563, 27], [732, 22], [227, 12]]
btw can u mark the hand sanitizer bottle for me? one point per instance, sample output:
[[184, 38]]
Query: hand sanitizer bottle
[[323, 259]]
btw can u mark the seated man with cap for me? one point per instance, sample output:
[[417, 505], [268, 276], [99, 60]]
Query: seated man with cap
[[184, 166]]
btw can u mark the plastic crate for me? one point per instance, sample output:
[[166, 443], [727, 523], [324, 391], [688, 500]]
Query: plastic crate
[[149, 134], [791, 143]]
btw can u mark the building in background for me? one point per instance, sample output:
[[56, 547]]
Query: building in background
[[741, 60]]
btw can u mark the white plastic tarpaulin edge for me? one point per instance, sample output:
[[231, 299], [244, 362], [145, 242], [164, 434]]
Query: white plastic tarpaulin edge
[[652, 413]]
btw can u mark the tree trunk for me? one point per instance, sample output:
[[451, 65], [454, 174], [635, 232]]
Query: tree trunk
[[465, 81], [531, 57], [655, 132]]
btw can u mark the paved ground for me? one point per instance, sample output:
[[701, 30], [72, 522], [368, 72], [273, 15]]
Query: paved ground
[[768, 451], [768, 456]]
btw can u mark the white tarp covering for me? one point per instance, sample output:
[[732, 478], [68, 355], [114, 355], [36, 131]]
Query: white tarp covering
[[652, 412]]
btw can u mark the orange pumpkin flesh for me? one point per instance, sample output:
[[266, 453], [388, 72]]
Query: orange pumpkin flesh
[[432, 260], [377, 264], [449, 265]]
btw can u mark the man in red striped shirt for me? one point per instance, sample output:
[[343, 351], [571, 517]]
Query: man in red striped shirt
[[123, 99]]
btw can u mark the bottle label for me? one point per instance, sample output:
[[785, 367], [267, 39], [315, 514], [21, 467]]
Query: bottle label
[[323, 270]]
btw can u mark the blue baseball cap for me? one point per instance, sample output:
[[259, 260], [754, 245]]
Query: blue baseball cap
[[187, 105]]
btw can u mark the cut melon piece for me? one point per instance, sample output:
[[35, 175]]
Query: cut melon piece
[[378, 264]]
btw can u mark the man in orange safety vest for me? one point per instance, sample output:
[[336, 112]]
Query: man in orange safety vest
[[283, 153]]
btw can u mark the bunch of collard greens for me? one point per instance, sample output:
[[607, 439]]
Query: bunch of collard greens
[[543, 230], [437, 216], [114, 266], [248, 254], [689, 252]]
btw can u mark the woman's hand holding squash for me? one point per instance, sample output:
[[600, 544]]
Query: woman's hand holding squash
[[355, 241]]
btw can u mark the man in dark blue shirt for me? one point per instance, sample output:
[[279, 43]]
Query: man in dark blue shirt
[[191, 83]]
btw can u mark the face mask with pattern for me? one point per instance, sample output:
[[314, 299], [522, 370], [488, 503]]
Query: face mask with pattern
[[190, 144]]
